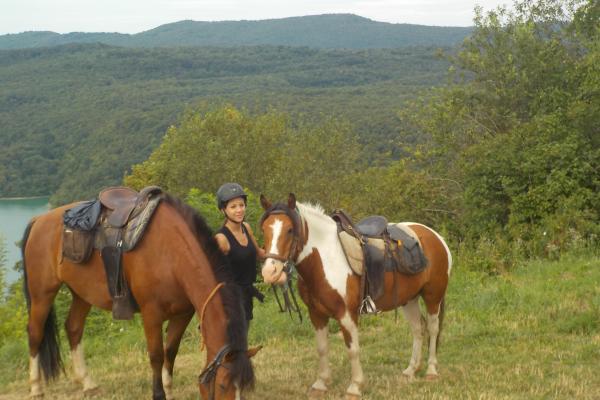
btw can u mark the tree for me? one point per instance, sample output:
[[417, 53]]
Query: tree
[[266, 153], [515, 125]]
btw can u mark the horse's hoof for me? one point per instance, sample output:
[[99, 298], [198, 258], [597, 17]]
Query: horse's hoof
[[352, 396], [408, 378], [431, 377], [316, 393], [91, 392], [38, 396]]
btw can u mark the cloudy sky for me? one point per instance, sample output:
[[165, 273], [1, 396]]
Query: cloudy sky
[[132, 16]]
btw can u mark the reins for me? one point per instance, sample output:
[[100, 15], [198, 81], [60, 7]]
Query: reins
[[208, 299]]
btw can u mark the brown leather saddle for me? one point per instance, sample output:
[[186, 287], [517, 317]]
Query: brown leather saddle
[[120, 225], [384, 247]]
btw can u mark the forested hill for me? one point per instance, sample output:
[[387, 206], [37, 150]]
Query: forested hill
[[74, 118], [318, 31]]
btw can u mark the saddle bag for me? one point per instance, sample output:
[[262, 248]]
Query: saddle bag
[[79, 227], [77, 244]]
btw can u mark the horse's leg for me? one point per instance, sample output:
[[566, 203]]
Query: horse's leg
[[153, 331], [175, 331], [412, 312], [40, 327], [319, 322], [349, 325], [74, 327], [434, 316]]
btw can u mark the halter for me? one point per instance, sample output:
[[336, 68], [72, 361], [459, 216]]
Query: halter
[[208, 376], [287, 289]]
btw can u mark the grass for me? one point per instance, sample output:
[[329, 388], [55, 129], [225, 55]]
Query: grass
[[533, 333]]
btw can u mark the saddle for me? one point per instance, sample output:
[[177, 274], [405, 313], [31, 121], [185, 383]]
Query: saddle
[[373, 246], [112, 224]]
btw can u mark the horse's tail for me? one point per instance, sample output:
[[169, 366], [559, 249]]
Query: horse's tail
[[49, 349], [441, 321]]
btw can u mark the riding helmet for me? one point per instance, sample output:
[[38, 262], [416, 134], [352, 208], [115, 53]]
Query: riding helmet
[[229, 191]]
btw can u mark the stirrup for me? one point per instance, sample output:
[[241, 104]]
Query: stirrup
[[368, 306]]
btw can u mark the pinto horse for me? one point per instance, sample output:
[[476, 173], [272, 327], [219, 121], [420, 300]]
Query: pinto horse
[[176, 270], [304, 235]]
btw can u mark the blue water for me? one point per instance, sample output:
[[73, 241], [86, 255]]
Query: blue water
[[14, 216]]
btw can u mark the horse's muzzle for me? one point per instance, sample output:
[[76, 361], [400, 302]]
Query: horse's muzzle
[[273, 272]]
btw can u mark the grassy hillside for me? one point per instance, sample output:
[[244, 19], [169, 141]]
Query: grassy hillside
[[319, 31], [74, 118], [530, 334]]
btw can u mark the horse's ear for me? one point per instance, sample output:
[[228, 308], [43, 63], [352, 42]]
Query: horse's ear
[[252, 351], [292, 201], [264, 202]]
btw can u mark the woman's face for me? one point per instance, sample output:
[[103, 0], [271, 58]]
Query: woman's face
[[236, 209]]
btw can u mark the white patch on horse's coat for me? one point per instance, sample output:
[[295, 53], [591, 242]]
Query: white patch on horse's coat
[[167, 381], [238, 392], [441, 240], [81, 373], [34, 376], [276, 228], [433, 327], [353, 354], [324, 375], [412, 312], [323, 237]]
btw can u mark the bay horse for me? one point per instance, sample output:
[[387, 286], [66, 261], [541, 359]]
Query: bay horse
[[304, 235], [176, 270]]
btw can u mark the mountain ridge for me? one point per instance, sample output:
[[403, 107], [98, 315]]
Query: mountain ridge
[[348, 31]]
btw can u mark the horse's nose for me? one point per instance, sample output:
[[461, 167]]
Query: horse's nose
[[271, 270]]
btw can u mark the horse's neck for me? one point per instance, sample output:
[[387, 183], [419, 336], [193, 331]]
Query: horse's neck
[[320, 231], [323, 237]]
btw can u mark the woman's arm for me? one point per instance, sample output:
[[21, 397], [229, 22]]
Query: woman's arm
[[223, 243], [260, 252]]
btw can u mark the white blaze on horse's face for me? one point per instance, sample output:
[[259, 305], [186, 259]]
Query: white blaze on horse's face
[[277, 231]]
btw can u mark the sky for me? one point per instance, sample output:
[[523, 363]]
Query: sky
[[133, 16]]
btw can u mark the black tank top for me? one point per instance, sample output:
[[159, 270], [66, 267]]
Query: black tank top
[[242, 258]]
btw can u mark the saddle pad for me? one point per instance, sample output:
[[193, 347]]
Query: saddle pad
[[137, 226], [353, 251]]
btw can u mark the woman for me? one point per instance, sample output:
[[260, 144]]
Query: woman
[[236, 240]]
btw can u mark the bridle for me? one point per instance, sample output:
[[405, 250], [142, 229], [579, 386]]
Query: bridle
[[290, 304], [209, 375]]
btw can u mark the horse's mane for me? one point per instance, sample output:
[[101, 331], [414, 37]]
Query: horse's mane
[[312, 208], [241, 369]]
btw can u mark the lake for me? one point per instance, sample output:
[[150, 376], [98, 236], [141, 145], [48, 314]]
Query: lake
[[14, 216]]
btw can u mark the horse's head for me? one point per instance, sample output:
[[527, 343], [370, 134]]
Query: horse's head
[[281, 228], [216, 382]]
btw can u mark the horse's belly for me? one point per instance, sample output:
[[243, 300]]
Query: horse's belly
[[87, 280]]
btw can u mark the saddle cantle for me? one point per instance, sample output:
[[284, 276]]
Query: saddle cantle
[[117, 227], [372, 226], [373, 247]]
